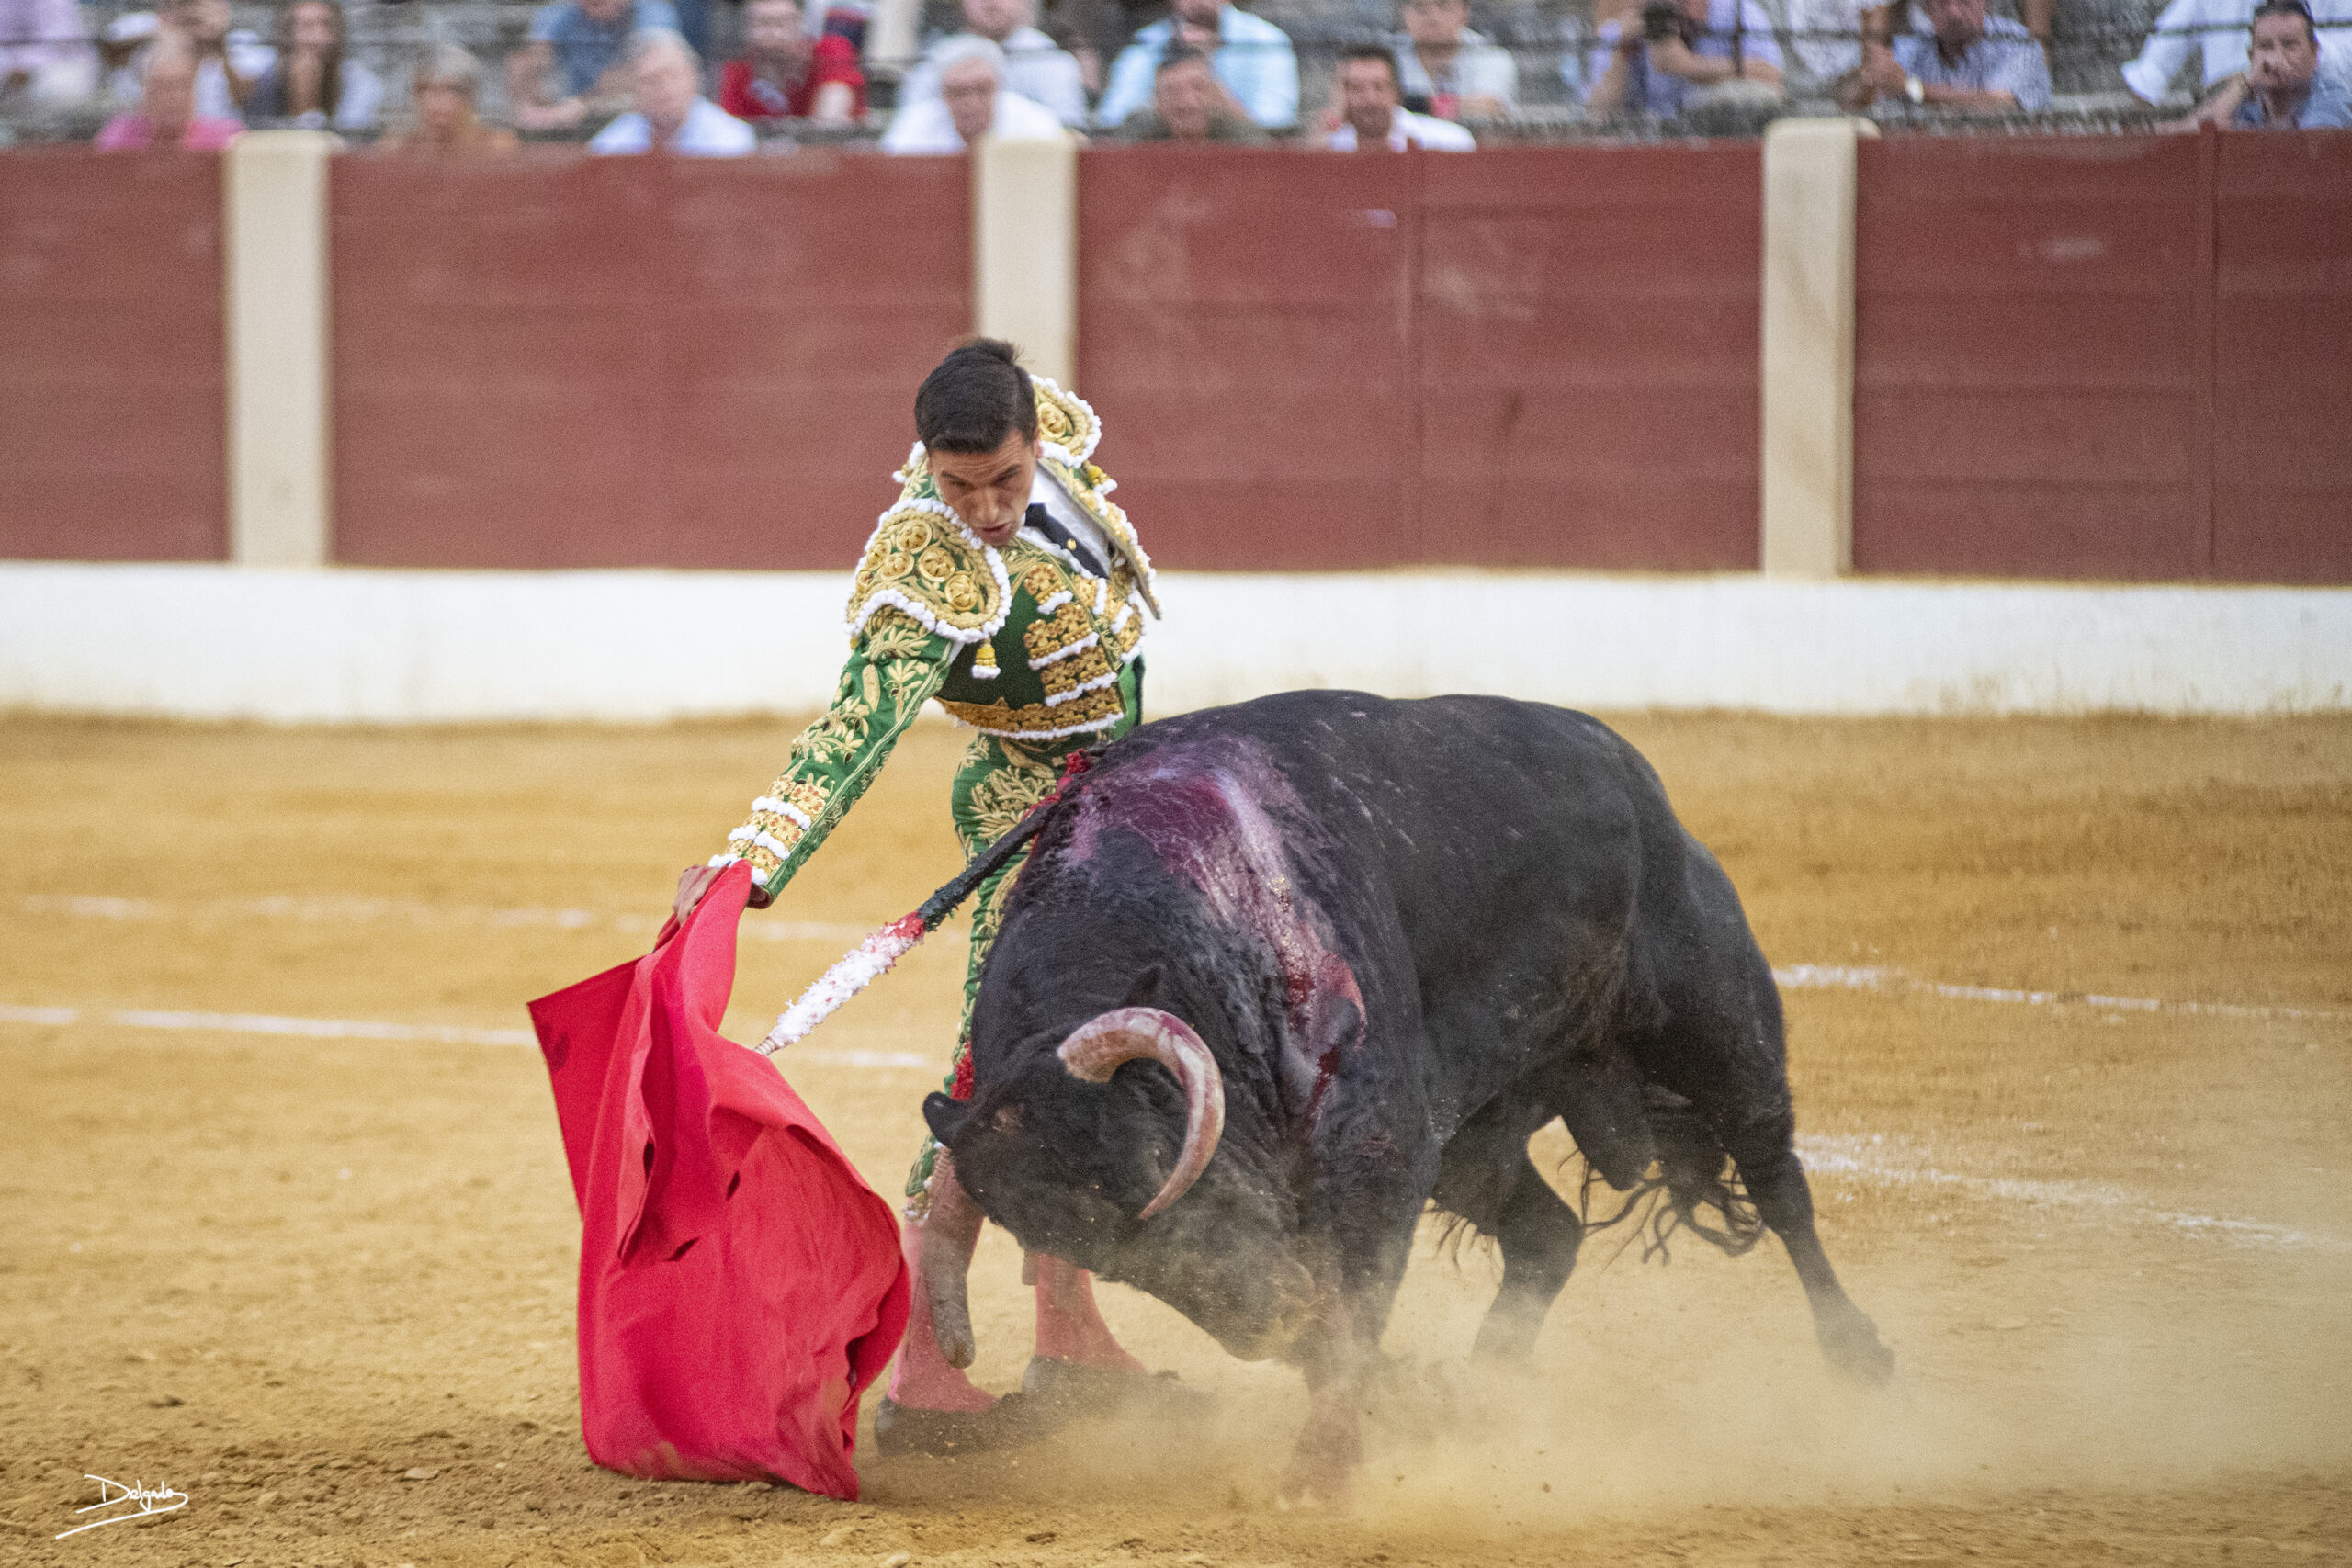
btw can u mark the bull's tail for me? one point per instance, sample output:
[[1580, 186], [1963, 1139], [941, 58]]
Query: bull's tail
[[1694, 1175]]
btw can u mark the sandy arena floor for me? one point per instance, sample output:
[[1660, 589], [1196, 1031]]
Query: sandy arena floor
[[323, 1286]]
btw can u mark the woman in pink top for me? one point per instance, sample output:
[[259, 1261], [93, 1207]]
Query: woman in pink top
[[167, 115]]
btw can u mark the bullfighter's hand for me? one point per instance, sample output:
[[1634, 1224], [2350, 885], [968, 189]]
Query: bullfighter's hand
[[693, 883]]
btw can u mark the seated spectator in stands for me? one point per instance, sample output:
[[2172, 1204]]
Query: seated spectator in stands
[[312, 79], [227, 62], [445, 87], [46, 61], [1972, 63], [787, 74], [1826, 35], [575, 66], [2219, 30], [2284, 87], [166, 114], [1653, 61], [1251, 57], [1372, 118], [973, 102], [1188, 104], [672, 115], [1454, 70], [1035, 66]]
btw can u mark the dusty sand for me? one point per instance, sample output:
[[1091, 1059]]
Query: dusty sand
[[282, 1273]]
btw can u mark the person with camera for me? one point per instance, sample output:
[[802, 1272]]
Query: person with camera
[[1677, 48]]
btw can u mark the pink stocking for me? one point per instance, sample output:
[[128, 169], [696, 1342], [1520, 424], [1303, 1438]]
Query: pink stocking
[[1069, 1328], [921, 1377]]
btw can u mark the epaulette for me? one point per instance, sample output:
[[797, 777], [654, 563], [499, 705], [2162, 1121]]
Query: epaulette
[[1068, 432], [922, 560]]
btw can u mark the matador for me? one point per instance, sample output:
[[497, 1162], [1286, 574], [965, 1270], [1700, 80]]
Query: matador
[[1005, 583]]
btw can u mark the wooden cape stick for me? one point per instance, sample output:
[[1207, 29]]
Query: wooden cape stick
[[872, 958]]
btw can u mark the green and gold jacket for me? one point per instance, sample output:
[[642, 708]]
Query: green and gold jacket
[[1023, 642]]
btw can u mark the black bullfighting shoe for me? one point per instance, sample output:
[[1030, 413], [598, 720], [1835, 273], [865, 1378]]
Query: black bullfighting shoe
[[1070, 1391], [1012, 1421]]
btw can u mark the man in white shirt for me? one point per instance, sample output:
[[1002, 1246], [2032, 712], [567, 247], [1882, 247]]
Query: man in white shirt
[[1442, 60], [1252, 59], [1372, 120], [1035, 66], [973, 102], [2219, 31], [672, 115]]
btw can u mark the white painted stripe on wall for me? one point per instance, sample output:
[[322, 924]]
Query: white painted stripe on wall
[[349, 645]]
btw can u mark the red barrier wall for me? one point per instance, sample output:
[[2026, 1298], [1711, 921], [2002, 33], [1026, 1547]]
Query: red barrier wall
[[1589, 341], [2282, 359], [112, 426], [2105, 357], [634, 361], [1529, 357], [2029, 381]]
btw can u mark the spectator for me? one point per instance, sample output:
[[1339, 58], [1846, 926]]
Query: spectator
[[2285, 89], [1452, 70], [1826, 35], [1035, 66], [445, 88], [2218, 30], [166, 114], [1373, 118], [312, 79], [583, 43], [1251, 57], [1972, 63], [226, 63], [973, 102], [785, 74], [1187, 105], [1673, 47], [46, 61], [672, 115]]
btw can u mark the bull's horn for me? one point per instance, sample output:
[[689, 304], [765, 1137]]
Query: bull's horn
[[950, 1231], [1095, 1049]]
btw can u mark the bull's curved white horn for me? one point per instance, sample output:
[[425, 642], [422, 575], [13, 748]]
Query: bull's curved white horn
[[1095, 1049]]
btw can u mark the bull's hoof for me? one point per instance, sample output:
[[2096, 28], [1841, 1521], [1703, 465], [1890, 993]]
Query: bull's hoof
[[1852, 1348], [1067, 1389], [1011, 1422]]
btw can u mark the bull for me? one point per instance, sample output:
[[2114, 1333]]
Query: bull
[[1278, 976]]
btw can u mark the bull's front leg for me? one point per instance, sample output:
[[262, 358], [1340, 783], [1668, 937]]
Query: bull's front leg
[[1330, 1446]]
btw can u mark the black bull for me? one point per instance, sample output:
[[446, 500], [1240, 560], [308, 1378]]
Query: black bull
[[1390, 940]]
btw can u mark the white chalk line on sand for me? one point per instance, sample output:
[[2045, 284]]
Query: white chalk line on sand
[[319, 910], [1831, 976], [1896, 1165], [308, 910], [359, 1029], [1871, 1159]]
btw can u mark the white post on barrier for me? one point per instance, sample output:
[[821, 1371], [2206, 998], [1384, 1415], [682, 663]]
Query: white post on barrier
[[1808, 346], [274, 190], [1024, 250]]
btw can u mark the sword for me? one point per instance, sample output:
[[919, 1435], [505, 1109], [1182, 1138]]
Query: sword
[[874, 957]]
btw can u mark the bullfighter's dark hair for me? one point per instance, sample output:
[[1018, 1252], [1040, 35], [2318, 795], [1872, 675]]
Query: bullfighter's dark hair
[[1180, 54], [975, 398], [2288, 8], [1381, 53]]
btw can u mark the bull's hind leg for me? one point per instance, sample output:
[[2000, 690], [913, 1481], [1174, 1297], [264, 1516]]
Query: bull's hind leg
[[1768, 1165], [1539, 1236], [1486, 1178]]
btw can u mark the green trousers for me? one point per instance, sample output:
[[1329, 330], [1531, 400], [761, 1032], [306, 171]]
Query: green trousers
[[994, 789]]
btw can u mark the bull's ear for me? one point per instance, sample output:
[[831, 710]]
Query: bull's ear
[[1145, 991], [945, 1116]]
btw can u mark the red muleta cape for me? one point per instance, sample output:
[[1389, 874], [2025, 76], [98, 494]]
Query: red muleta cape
[[740, 1283]]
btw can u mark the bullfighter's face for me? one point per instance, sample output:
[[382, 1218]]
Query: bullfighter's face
[[1068, 1167], [990, 490]]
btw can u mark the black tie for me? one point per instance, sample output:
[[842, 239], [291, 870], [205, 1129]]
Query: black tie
[[1043, 522]]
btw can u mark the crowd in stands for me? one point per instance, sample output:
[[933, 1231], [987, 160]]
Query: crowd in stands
[[634, 75]]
